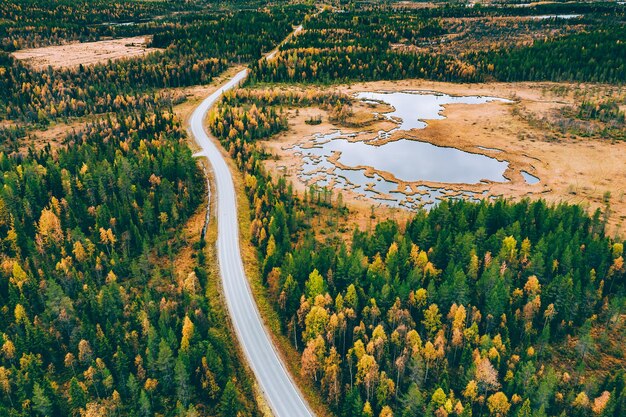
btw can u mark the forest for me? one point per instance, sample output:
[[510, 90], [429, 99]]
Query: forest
[[91, 320], [496, 308], [95, 319], [455, 44], [197, 47], [34, 23], [491, 308], [597, 56]]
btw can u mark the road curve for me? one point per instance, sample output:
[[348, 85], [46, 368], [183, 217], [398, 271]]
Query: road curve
[[281, 393]]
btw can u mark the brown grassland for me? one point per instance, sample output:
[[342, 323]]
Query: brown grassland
[[86, 53]]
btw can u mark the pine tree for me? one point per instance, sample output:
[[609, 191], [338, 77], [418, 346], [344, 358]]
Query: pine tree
[[41, 403], [229, 402]]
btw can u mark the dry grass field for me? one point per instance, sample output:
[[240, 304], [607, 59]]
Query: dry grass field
[[87, 53]]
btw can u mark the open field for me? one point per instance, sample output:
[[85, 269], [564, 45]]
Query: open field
[[570, 168], [86, 53]]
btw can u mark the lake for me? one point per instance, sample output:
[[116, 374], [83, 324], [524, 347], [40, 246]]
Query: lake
[[408, 160]]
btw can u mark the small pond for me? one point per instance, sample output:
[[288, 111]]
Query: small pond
[[410, 160], [529, 178]]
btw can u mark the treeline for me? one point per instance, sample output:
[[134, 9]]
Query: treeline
[[462, 311], [598, 9], [243, 105], [40, 97], [391, 44], [94, 321], [359, 64], [292, 98], [245, 115], [596, 56]]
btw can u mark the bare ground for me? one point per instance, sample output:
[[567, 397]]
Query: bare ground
[[87, 53]]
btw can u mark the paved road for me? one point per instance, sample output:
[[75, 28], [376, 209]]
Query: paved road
[[280, 391]]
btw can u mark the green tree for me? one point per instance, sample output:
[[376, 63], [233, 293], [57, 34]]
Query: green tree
[[41, 403], [315, 285], [525, 410], [78, 398], [165, 364], [229, 402], [145, 409], [181, 376]]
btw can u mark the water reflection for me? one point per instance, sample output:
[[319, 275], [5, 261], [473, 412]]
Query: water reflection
[[556, 16], [411, 161]]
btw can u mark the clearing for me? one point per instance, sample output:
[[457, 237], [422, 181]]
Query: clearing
[[87, 53], [570, 168]]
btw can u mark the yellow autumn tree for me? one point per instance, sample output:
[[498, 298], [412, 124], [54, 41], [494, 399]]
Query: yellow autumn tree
[[8, 350], [331, 381], [188, 329], [386, 412], [49, 230], [432, 319], [312, 357], [367, 373], [498, 404], [471, 391], [18, 277]]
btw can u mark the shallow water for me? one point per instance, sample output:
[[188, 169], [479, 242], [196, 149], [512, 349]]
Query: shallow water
[[556, 16], [529, 178], [411, 161]]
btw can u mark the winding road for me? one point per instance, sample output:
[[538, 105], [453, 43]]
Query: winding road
[[279, 389]]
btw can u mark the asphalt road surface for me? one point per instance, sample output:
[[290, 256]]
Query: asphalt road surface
[[281, 393]]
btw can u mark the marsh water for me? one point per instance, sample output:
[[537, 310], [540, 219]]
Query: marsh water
[[340, 160], [529, 178], [556, 16], [413, 108], [409, 160]]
